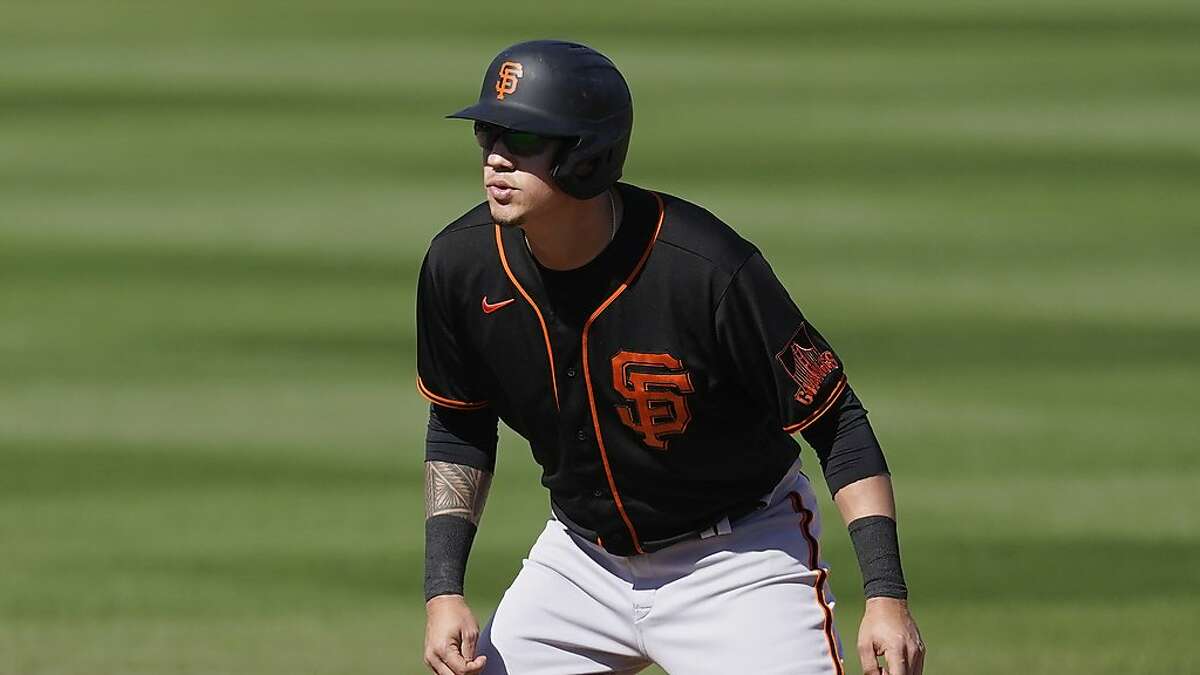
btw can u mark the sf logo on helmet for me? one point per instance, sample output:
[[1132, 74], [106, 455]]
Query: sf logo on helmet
[[654, 386], [510, 72]]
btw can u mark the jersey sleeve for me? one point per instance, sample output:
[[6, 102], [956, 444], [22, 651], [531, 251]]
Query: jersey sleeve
[[447, 368], [781, 360]]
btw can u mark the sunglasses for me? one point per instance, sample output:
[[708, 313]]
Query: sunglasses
[[519, 143]]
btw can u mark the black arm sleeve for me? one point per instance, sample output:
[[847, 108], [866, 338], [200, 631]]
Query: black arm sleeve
[[845, 444], [466, 437]]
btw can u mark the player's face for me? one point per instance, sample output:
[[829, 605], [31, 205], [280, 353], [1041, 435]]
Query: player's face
[[517, 179]]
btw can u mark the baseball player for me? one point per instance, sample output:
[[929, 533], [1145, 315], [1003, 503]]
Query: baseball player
[[659, 371]]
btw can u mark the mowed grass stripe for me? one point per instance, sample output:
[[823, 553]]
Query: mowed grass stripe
[[211, 217]]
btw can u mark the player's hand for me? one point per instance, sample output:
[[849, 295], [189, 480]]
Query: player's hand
[[888, 630], [451, 634]]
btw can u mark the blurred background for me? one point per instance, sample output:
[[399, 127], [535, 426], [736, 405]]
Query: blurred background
[[212, 215]]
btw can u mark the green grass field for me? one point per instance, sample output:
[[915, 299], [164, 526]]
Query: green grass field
[[211, 217]]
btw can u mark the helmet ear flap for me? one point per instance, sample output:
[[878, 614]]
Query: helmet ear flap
[[572, 169], [562, 164], [572, 174], [586, 168]]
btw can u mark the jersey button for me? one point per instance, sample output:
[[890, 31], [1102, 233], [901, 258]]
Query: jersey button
[[597, 493], [581, 435], [570, 372]]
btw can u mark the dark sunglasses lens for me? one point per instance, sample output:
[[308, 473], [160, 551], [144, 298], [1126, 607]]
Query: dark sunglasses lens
[[486, 134], [524, 144]]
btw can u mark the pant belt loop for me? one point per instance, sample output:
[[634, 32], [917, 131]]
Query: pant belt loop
[[722, 527]]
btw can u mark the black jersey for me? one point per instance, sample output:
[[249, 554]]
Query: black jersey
[[654, 407]]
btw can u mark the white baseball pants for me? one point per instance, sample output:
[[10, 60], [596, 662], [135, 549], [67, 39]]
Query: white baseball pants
[[754, 599]]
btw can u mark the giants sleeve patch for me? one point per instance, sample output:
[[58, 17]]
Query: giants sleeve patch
[[808, 362]]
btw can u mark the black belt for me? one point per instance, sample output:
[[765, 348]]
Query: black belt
[[733, 515]]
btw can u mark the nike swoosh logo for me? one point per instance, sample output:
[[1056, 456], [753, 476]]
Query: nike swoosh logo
[[489, 307]]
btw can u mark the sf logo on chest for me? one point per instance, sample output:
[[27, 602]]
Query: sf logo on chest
[[510, 72], [654, 386]]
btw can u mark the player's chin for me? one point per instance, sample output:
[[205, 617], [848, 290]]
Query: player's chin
[[506, 215]]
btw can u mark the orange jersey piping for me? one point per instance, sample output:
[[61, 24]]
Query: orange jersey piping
[[448, 402], [808, 421], [587, 377], [814, 560], [545, 333]]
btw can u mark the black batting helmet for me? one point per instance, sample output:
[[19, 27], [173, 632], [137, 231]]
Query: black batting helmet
[[566, 90]]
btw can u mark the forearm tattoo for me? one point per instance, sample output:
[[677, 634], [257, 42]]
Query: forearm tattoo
[[455, 490]]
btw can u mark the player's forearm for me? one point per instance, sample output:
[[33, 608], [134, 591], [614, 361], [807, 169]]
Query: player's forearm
[[455, 490], [869, 509], [455, 495], [867, 497]]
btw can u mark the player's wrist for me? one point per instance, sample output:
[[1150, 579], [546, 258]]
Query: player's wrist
[[447, 546], [878, 549], [882, 601], [444, 600]]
